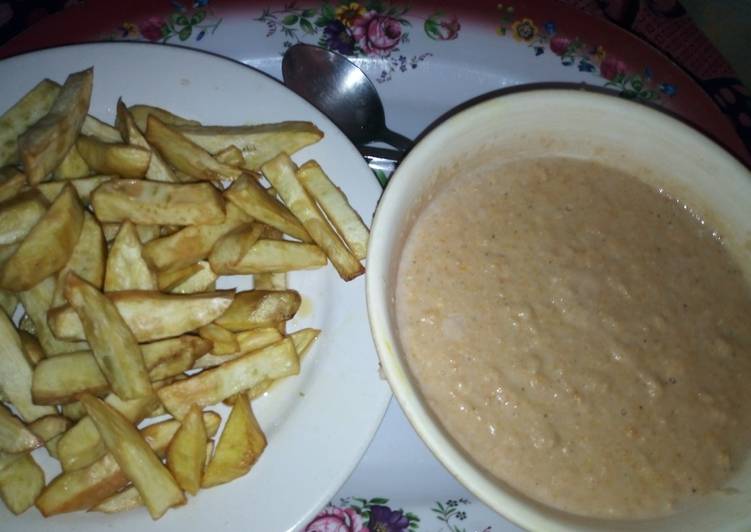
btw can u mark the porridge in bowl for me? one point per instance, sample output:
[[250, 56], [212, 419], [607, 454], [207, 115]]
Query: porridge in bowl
[[581, 335]]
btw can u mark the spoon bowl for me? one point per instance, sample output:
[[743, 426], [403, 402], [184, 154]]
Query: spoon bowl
[[339, 89]]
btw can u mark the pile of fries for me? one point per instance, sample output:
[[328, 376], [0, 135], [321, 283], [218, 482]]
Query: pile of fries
[[111, 243]]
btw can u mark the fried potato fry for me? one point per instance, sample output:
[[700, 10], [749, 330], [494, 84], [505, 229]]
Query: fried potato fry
[[32, 349], [150, 315], [83, 187], [20, 214], [334, 203], [271, 256], [259, 308], [82, 444], [247, 341], [251, 197], [126, 268], [258, 143], [213, 385], [193, 243], [267, 280], [15, 437], [47, 247], [152, 202], [158, 169], [94, 127], [12, 181], [74, 411], [122, 501], [232, 247], [161, 351], [114, 346], [146, 232], [280, 171], [125, 160], [185, 155], [230, 155], [186, 454], [20, 484], [168, 279], [159, 435], [8, 302], [50, 429], [141, 113], [136, 458], [72, 166], [22, 115], [44, 145], [224, 342], [61, 379], [37, 302], [87, 260], [16, 374], [239, 447]]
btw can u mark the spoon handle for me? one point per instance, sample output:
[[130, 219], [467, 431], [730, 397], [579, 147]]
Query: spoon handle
[[395, 139]]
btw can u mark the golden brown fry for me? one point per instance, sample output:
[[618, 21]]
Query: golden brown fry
[[230, 155], [186, 454], [213, 385], [334, 203], [48, 246], [20, 484], [204, 280], [168, 279], [16, 372], [258, 143], [158, 169], [44, 145], [94, 127], [8, 302], [61, 379], [259, 308], [141, 113], [19, 214], [125, 160], [122, 501], [251, 197], [32, 349], [15, 437], [271, 281], [87, 260], [223, 340], [193, 243], [185, 155], [37, 302], [303, 339], [82, 445], [232, 247], [247, 341], [161, 351], [159, 435], [272, 256], [280, 172], [239, 447], [74, 411], [83, 186], [72, 166], [150, 315], [22, 115], [136, 458], [112, 342], [153, 202], [126, 268], [50, 429], [12, 181]]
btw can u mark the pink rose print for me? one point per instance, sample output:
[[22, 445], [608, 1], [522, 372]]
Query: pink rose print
[[333, 519], [152, 28], [376, 34], [559, 44], [612, 67]]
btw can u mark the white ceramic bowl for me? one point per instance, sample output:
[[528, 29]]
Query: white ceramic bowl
[[659, 149]]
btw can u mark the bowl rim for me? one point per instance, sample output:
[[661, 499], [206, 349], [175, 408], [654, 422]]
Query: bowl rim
[[502, 498]]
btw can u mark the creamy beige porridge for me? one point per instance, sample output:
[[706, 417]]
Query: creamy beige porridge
[[583, 337]]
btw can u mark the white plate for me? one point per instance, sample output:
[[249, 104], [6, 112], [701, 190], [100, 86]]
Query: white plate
[[319, 423]]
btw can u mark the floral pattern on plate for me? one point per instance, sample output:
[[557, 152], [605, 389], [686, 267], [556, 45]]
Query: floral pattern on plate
[[543, 37], [354, 514], [359, 29], [185, 21]]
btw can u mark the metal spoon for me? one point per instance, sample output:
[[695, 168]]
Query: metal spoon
[[340, 90]]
